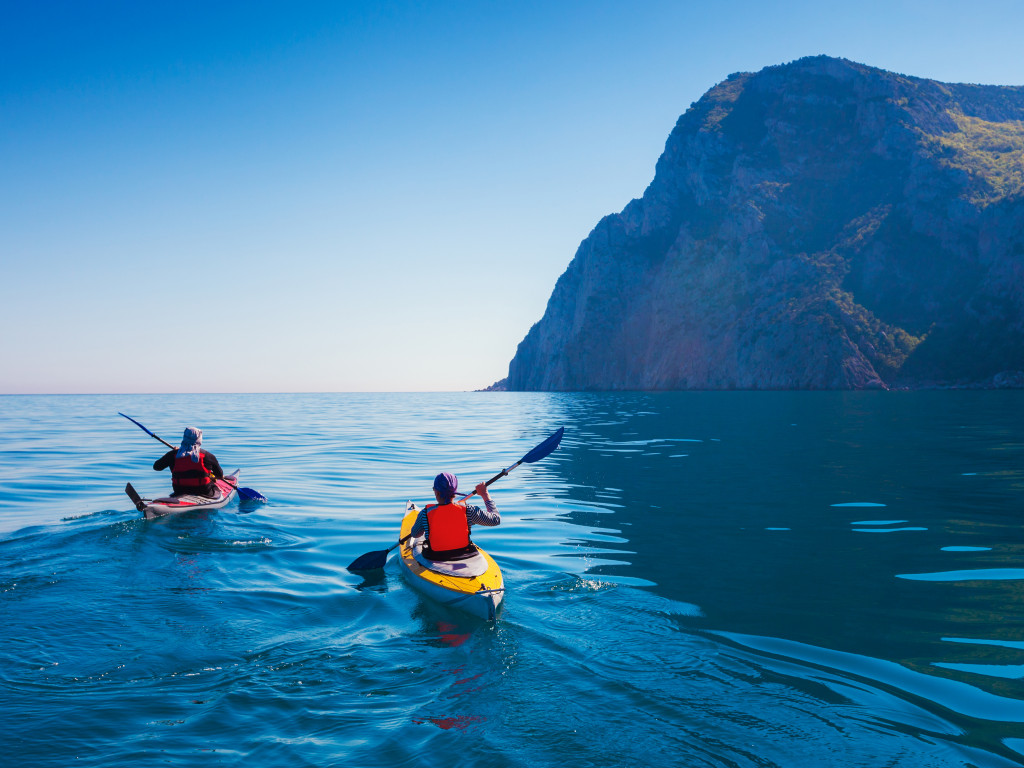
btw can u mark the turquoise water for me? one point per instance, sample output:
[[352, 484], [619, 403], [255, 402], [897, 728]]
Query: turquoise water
[[693, 579]]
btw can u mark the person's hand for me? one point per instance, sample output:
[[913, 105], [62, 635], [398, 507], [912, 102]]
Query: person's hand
[[481, 491]]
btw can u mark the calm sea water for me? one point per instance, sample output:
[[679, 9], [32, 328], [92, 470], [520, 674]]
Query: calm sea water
[[694, 579]]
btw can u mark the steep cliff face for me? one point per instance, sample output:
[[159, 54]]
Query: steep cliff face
[[819, 225]]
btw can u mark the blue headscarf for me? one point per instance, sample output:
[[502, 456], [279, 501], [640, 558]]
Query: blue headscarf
[[446, 484], [190, 443]]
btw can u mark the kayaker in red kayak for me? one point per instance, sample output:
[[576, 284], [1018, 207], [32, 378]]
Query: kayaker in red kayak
[[193, 469], [446, 524]]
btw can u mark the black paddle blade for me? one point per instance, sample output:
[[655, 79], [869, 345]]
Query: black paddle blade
[[371, 561], [134, 496], [544, 448]]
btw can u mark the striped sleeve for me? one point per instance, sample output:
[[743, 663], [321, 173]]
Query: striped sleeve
[[486, 517]]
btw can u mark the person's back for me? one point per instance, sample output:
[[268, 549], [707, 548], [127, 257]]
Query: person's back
[[193, 469], [446, 524], [448, 531]]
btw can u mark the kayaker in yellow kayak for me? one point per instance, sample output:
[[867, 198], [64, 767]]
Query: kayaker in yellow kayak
[[193, 469], [446, 524]]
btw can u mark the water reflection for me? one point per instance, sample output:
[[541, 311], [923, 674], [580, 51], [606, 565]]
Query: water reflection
[[751, 520]]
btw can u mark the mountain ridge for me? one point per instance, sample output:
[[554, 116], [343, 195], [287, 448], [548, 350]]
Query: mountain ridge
[[820, 224]]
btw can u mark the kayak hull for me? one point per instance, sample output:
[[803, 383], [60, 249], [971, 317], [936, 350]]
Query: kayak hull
[[480, 596], [169, 505]]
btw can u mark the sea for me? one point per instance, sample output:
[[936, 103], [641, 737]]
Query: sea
[[794, 579]]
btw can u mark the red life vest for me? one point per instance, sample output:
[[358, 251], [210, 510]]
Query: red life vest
[[188, 475], [447, 527]]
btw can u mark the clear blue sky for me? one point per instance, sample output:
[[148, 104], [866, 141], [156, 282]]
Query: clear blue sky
[[337, 196]]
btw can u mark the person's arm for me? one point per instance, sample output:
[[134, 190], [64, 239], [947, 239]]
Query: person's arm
[[487, 517], [420, 526], [165, 461], [213, 465]]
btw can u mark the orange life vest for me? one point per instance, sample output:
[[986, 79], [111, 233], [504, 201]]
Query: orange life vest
[[188, 475], [447, 527]]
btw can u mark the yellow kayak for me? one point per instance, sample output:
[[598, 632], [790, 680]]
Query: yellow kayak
[[473, 585]]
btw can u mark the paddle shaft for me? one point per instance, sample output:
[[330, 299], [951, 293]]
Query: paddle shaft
[[400, 542], [155, 437], [494, 479]]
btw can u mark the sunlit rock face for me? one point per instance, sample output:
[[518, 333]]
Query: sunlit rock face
[[817, 225]]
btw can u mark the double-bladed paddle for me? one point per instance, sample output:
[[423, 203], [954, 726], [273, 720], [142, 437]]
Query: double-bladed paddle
[[373, 560], [245, 493]]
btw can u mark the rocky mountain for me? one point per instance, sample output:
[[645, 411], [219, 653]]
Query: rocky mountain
[[816, 225]]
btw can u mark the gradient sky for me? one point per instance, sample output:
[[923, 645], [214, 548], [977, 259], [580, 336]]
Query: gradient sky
[[355, 196]]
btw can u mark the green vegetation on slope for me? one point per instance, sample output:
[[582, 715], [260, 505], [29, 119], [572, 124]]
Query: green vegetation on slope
[[992, 154]]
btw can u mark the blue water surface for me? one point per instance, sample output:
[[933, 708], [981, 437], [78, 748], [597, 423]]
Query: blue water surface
[[688, 583]]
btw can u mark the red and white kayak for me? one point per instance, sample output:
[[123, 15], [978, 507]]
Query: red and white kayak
[[166, 505]]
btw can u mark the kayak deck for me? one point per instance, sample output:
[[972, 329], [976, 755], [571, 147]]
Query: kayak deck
[[480, 595], [165, 505]]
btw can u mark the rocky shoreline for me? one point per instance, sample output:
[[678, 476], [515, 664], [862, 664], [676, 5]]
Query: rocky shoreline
[[1002, 380]]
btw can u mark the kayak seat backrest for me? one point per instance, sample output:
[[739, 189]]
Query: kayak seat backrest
[[476, 565]]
